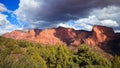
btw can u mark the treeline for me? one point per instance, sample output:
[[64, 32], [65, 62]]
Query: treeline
[[22, 54]]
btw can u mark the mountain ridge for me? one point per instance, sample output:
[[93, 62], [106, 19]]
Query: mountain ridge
[[100, 36]]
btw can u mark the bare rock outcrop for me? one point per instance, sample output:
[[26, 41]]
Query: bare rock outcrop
[[47, 36], [100, 34], [68, 36], [101, 38], [103, 33]]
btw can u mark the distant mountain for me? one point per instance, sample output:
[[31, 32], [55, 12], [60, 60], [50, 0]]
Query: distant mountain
[[100, 37]]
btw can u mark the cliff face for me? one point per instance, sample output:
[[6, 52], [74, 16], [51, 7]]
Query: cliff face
[[101, 39], [103, 33], [100, 34], [68, 36]]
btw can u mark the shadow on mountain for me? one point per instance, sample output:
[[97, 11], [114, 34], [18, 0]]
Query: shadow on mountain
[[66, 35], [115, 46], [112, 46]]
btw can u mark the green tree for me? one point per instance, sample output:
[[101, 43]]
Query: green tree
[[88, 59], [116, 62]]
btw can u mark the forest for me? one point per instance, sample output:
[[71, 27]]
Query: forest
[[23, 54]]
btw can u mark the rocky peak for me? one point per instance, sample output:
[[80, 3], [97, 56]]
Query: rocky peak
[[100, 37], [102, 33], [69, 36]]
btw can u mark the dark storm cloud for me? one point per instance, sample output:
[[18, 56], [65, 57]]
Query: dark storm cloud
[[62, 10], [50, 13]]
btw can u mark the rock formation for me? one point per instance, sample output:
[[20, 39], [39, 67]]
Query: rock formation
[[68, 36], [100, 34], [100, 37]]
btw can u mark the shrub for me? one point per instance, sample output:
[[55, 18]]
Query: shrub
[[116, 62], [86, 59], [22, 54]]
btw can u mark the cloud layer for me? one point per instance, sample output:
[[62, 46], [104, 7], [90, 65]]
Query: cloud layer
[[2, 8], [48, 13], [78, 14], [57, 10], [107, 16], [5, 25]]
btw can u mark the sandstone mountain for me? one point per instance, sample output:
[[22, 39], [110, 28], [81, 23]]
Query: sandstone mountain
[[100, 36]]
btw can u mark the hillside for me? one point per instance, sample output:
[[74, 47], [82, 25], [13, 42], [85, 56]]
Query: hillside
[[100, 37], [61, 48], [23, 54]]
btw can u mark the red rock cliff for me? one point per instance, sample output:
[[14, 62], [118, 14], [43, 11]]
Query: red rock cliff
[[69, 36], [100, 34]]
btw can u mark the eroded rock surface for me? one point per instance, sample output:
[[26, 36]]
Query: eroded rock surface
[[68, 36]]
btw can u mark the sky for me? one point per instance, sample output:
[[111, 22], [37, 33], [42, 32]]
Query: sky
[[41, 14]]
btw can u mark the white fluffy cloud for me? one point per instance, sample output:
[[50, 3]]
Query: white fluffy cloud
[[87, 23], [8, 28], [111, 12], [3, 19], [107, 16], [5, 25], [28, 11], [44, 13], [2, 8]]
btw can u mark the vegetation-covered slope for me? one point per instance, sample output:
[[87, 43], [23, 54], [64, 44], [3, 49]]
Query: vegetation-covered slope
[[22, 54]]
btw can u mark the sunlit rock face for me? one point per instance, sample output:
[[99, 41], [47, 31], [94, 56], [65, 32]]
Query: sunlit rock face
[[19, 35], [103, 33], [47, 36], [100, 34], [68, 36]]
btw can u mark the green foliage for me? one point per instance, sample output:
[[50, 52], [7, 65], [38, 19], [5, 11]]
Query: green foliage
[[30, 61], [23, 54], [24, 44], [55, 56], [88, 59], [116, 62], [16, 50]]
